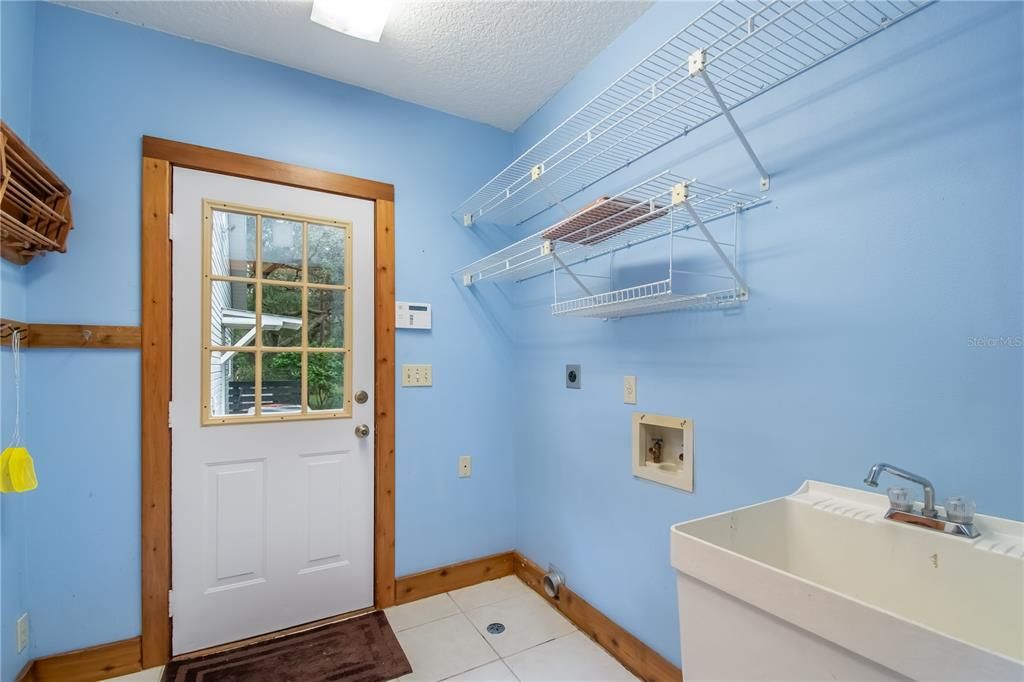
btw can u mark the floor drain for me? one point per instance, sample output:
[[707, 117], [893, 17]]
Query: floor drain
[[495, 628]]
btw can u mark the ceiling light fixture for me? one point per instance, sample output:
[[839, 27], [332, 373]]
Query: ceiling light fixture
[[358, 18]]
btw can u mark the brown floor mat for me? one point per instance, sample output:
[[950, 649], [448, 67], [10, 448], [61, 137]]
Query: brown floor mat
[[360, 649]]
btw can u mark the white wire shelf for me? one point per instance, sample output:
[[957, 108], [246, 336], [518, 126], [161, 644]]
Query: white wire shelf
[[647, 299], [728, 55], [652, 209]]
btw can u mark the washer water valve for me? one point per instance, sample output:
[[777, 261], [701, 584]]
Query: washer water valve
[[655, 450]]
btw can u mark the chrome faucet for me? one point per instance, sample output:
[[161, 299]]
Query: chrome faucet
[[959, 517], [929, 490]]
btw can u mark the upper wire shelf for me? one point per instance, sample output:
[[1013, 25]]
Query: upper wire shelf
[[728, 55], [646, 211]]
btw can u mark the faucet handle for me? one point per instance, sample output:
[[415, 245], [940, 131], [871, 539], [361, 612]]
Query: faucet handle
[[960, 509], [900, 499]]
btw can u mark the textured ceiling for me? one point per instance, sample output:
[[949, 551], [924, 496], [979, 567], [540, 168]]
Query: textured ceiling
[[494, 61]]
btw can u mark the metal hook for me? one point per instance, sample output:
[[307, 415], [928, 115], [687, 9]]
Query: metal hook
[[9, 330], [86, 335]]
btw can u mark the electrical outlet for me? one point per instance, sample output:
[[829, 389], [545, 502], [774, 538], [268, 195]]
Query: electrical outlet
[[573, 376], [629, 390], [465, 466], [417, 375], [22, 632]]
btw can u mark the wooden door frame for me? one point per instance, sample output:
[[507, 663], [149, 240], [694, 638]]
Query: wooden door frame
[[159, 158]]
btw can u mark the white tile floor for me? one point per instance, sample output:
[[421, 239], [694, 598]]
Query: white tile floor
[[445, 638], [442, 636]]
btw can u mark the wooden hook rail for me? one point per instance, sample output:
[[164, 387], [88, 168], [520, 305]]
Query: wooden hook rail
[[70, 335]]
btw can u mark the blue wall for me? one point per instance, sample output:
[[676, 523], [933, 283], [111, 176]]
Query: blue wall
[[893, 236], [17, 28], [99, 86], [17, 32]]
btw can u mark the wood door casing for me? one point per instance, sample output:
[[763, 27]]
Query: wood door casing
[[159, 158]]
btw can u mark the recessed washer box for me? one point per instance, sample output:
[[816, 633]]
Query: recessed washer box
[[663, 449]]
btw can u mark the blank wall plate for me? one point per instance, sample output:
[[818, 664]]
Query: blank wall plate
[[417, 375], [465, 466], [22, 632], [629, 390]]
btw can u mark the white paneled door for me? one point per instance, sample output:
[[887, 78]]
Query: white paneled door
[[272, 476]]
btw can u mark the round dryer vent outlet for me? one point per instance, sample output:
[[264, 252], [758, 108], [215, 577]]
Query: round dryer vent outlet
[[553, 582]]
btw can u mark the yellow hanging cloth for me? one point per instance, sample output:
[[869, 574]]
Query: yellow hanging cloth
[[6, 484], [17, 471]]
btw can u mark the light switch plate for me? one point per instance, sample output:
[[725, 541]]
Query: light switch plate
[[465, 466], [22, 632], [629, 390], [417, 375]]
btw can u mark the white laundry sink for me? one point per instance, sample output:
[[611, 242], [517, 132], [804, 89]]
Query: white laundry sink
[[818, 585]]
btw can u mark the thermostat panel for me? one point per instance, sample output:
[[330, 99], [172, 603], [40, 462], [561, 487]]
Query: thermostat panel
[[412, 315]]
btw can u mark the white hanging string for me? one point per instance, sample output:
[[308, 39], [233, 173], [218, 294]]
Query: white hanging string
[[16, 358]]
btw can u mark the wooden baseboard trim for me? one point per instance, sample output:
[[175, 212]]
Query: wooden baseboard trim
[[446, 578], [28, 673], [124, 657], [90, 664], [637, 657]]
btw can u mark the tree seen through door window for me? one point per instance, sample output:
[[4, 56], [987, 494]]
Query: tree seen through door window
[[277, 292]]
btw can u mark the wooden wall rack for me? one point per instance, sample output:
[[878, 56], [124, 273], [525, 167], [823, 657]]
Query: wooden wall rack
[[35, 205], [70, 335]]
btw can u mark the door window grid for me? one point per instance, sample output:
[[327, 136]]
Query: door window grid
[[315, 276]]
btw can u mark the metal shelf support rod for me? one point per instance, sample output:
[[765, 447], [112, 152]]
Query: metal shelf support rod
[[718, 249], [552, 197], [765, 178], [702, 274], [698, 239], [571, 274]]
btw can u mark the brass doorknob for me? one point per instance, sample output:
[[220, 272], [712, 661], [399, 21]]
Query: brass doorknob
[[362, 431]]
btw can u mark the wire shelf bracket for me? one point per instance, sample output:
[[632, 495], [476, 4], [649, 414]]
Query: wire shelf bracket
[[641, 213], [695, 66], [663, 295], [669, 206], [730, 54]]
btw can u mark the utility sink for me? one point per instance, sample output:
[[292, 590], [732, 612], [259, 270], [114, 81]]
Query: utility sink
[[818, 585]]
